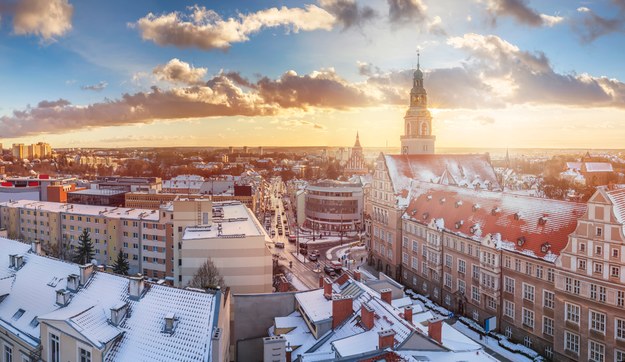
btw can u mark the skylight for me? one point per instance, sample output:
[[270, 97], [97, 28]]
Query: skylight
[[20, 312]]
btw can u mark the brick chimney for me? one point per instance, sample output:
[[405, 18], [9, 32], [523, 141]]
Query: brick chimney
[[366, 316], [435, 329], [342, 279], [357, 275], [386, 295], [85, 273], [327, 288], [386, 338], [321, 281], [408, 314], [288, 351], [342, 308]]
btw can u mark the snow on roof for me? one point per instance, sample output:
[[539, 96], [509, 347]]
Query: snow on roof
[[617, 196], [139, 337], [237, 220], [315, 305], [357, 343], [463, 170], [598, 167], [33, 284], [88, 210], [574, 165], [537, 227]]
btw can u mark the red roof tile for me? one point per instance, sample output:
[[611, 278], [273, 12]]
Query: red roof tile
[[536, 221]]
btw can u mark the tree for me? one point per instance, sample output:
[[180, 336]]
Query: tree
[[84, 252], [121, 265], [207, 276]]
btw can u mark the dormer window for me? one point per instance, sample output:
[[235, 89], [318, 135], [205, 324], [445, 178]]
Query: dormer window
[[425, 215], [542, 220], [443, 200], [495, 210], [520, 241], [475, 207], [459, 224], [545, 247], [429, 197]]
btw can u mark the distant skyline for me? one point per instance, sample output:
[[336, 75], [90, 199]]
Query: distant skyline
[[499, 73]]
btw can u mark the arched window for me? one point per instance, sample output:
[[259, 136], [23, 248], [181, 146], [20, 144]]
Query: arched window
[[424, 129]]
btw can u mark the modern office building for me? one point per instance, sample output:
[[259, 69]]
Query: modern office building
[[334, 205]]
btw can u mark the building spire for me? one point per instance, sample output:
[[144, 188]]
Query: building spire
[[357, 143], [418, 58]]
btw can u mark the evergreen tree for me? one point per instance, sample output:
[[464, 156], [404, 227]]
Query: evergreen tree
[[84, 252], [121, 265]]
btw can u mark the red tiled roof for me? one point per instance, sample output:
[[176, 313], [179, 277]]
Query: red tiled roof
[[536, 220], [470, 170]]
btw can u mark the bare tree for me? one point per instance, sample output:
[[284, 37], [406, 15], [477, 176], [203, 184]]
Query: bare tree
[[207, 276]]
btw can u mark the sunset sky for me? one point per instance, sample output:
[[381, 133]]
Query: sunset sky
[[499, 73]]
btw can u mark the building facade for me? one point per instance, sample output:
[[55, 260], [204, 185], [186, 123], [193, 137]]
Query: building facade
[[356, 164], [418, 137], [334, 206]]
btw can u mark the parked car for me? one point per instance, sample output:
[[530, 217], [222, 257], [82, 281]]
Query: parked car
[[312, 257], [337, 266], [280, 245], [273, 233], [291, 238], [328, 269]]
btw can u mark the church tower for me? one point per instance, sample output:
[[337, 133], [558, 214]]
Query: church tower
[[417, 138]]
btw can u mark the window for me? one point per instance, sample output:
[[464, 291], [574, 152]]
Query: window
[[597, 321], [620, 298], [462, 287], [619, 328], [529, 268], [528, 317], [548, 326], [571, 313], [582, 247], [539, 271], [55, 349], [476, 272], [462, 266], [8, 353], [508, 332], [596, 351], [615, 271], [548, 299], [527, 341], [491, 303], [404, 258], [581, 264], [528, 292], [508, 309], [598, 268], [448, 280], [550, 275], [598, 233], [476, 315], [549, 352], [415, 246], [84, 355], [571, 342], [509, 285], [615, 253], [619, 356], [475, 293], [415, 263], [448, 260]]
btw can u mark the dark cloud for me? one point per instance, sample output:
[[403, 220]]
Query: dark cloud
[[590, 26], [348, 13], [52, 104], [95, 87], [406, 11], [521, 12]]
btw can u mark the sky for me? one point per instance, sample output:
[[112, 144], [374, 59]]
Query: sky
[[499, 73]]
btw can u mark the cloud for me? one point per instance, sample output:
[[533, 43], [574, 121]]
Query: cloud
[[205, 29], [518, 76], [95, 87], [177, 71], [47, 19], [348, 12], [521, 12], [484, 120], [406, 11], [590, 26]]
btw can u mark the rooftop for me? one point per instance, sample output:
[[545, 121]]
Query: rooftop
[[89, 210], [237, 221]]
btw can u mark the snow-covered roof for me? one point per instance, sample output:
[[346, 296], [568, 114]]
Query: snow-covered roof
[[32, 298], [598, 167], [88, 210], [315, 305], [536, 227], [617, 196], [237, 221]]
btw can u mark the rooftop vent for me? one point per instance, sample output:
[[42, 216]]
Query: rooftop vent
[[458, 203], [545, 248], [459, 224], [475, 207], [118, 313], [542, 220], [73, 281], [62, 297], [520, 241]]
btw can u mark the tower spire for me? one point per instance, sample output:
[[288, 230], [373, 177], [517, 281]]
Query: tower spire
[[418, 58]]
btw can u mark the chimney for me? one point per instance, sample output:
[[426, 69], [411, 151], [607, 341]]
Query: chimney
[[366, 316], [35, 247], [12, 260], [357, 275], [170, 323], [19, 261], [62, 297], [386, 295], [101, 268], [274, 348], [288, 351], [342, 308], [118, 313], [342, 279], [327, 288], [321, 281], [85, 273], [135, 287], [408, 314], [386, 339], [73, 282], [435, 329]]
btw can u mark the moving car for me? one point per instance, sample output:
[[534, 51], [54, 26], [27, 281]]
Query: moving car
[[280, 245]]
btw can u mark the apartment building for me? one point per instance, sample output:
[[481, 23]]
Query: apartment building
[[590, 283], [53, 310], [489, 254]]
